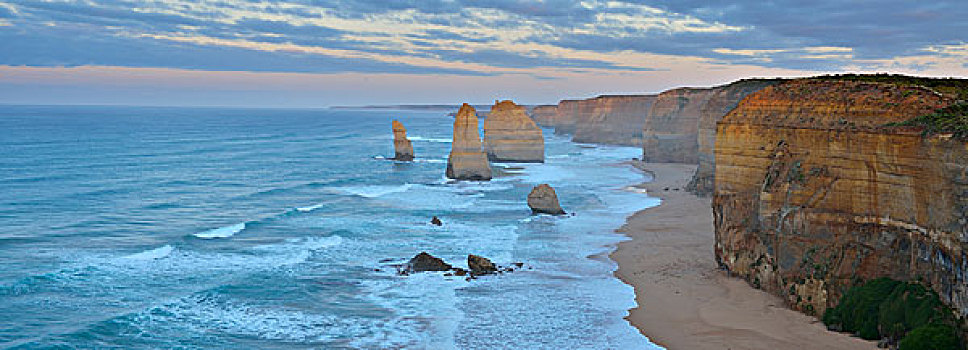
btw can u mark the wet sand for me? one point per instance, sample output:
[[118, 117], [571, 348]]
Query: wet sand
[[685, 301]]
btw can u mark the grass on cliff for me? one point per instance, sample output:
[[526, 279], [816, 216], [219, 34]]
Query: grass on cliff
[[952, 119], [953, 87], [906, 312]]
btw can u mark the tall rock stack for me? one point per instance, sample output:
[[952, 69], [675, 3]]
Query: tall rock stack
[[510, 136], [402, 148], [467, 161]]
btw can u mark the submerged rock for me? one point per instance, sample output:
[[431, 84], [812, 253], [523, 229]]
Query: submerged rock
[[480, 265], [511, 136], [467, 160], [436, 221], [402, 148], [425, 262], [543, 199]]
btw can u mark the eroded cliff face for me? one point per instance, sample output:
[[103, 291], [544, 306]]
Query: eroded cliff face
[[722, 99], [672, 128], [544, 115], [813, 193], [614, 120], [609, 119], [569, 112], [511, 136]]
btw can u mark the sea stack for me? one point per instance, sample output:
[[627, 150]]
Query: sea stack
[[511, 136], [544, 200], [402, 148], [467, 161]]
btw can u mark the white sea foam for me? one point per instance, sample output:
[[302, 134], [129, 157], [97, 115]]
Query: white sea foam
[[374, 191], [222, 232], [432, 161], [428, 139], [203, 313], [309, 208], [636, 189], [152, 254]]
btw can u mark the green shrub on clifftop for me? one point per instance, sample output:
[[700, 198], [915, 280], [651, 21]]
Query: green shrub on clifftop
[[952, 119]]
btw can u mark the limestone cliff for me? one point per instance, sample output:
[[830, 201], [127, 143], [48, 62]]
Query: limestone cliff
[[607, 119], [814, 193], [671, 131], [616, 120], [721, 100], [544, 114], [510, 136], [402, 148], [569, 112], [466, 160]]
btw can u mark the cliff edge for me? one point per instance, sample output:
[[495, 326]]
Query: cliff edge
[[814, 192]]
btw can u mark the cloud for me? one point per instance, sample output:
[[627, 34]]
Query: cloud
[[479, 37]]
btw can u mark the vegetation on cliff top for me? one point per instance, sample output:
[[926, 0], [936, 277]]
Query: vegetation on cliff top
[[952, 119], [899, 311], [953, 87]]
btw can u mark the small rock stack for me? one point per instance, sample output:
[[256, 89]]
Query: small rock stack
[[402, 148], [544, 200]]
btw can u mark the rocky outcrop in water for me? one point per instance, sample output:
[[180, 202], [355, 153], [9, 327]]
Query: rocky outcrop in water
[[424, 262], [477, 266], [467, 161], [813, 192], [544, 200], [480, 265], [511, 136], [402, 148]]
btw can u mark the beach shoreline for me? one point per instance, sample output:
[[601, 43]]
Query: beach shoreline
[[684, 300]]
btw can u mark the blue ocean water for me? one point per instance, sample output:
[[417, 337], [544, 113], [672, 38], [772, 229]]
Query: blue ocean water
[[143, 228]]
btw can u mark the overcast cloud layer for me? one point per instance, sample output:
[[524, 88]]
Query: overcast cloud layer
[[544, 40]]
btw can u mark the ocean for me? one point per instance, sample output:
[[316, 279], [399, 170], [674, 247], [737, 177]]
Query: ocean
[[218, 228]]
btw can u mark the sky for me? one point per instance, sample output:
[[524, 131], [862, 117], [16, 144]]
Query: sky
[[318, 53]]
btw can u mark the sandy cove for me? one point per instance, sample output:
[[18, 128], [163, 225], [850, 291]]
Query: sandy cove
[[685, 301]]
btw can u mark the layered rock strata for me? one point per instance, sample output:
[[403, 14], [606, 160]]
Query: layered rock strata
[[466, 160], [671, 131], [813, 192], [615, 120], [511, 136], [402, 148], [722, 99], [607, 119], [544, 114]]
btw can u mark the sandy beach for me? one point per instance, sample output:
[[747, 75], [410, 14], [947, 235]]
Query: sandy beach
[[684, 300]]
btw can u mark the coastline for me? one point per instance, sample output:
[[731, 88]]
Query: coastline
[[684, 300]]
